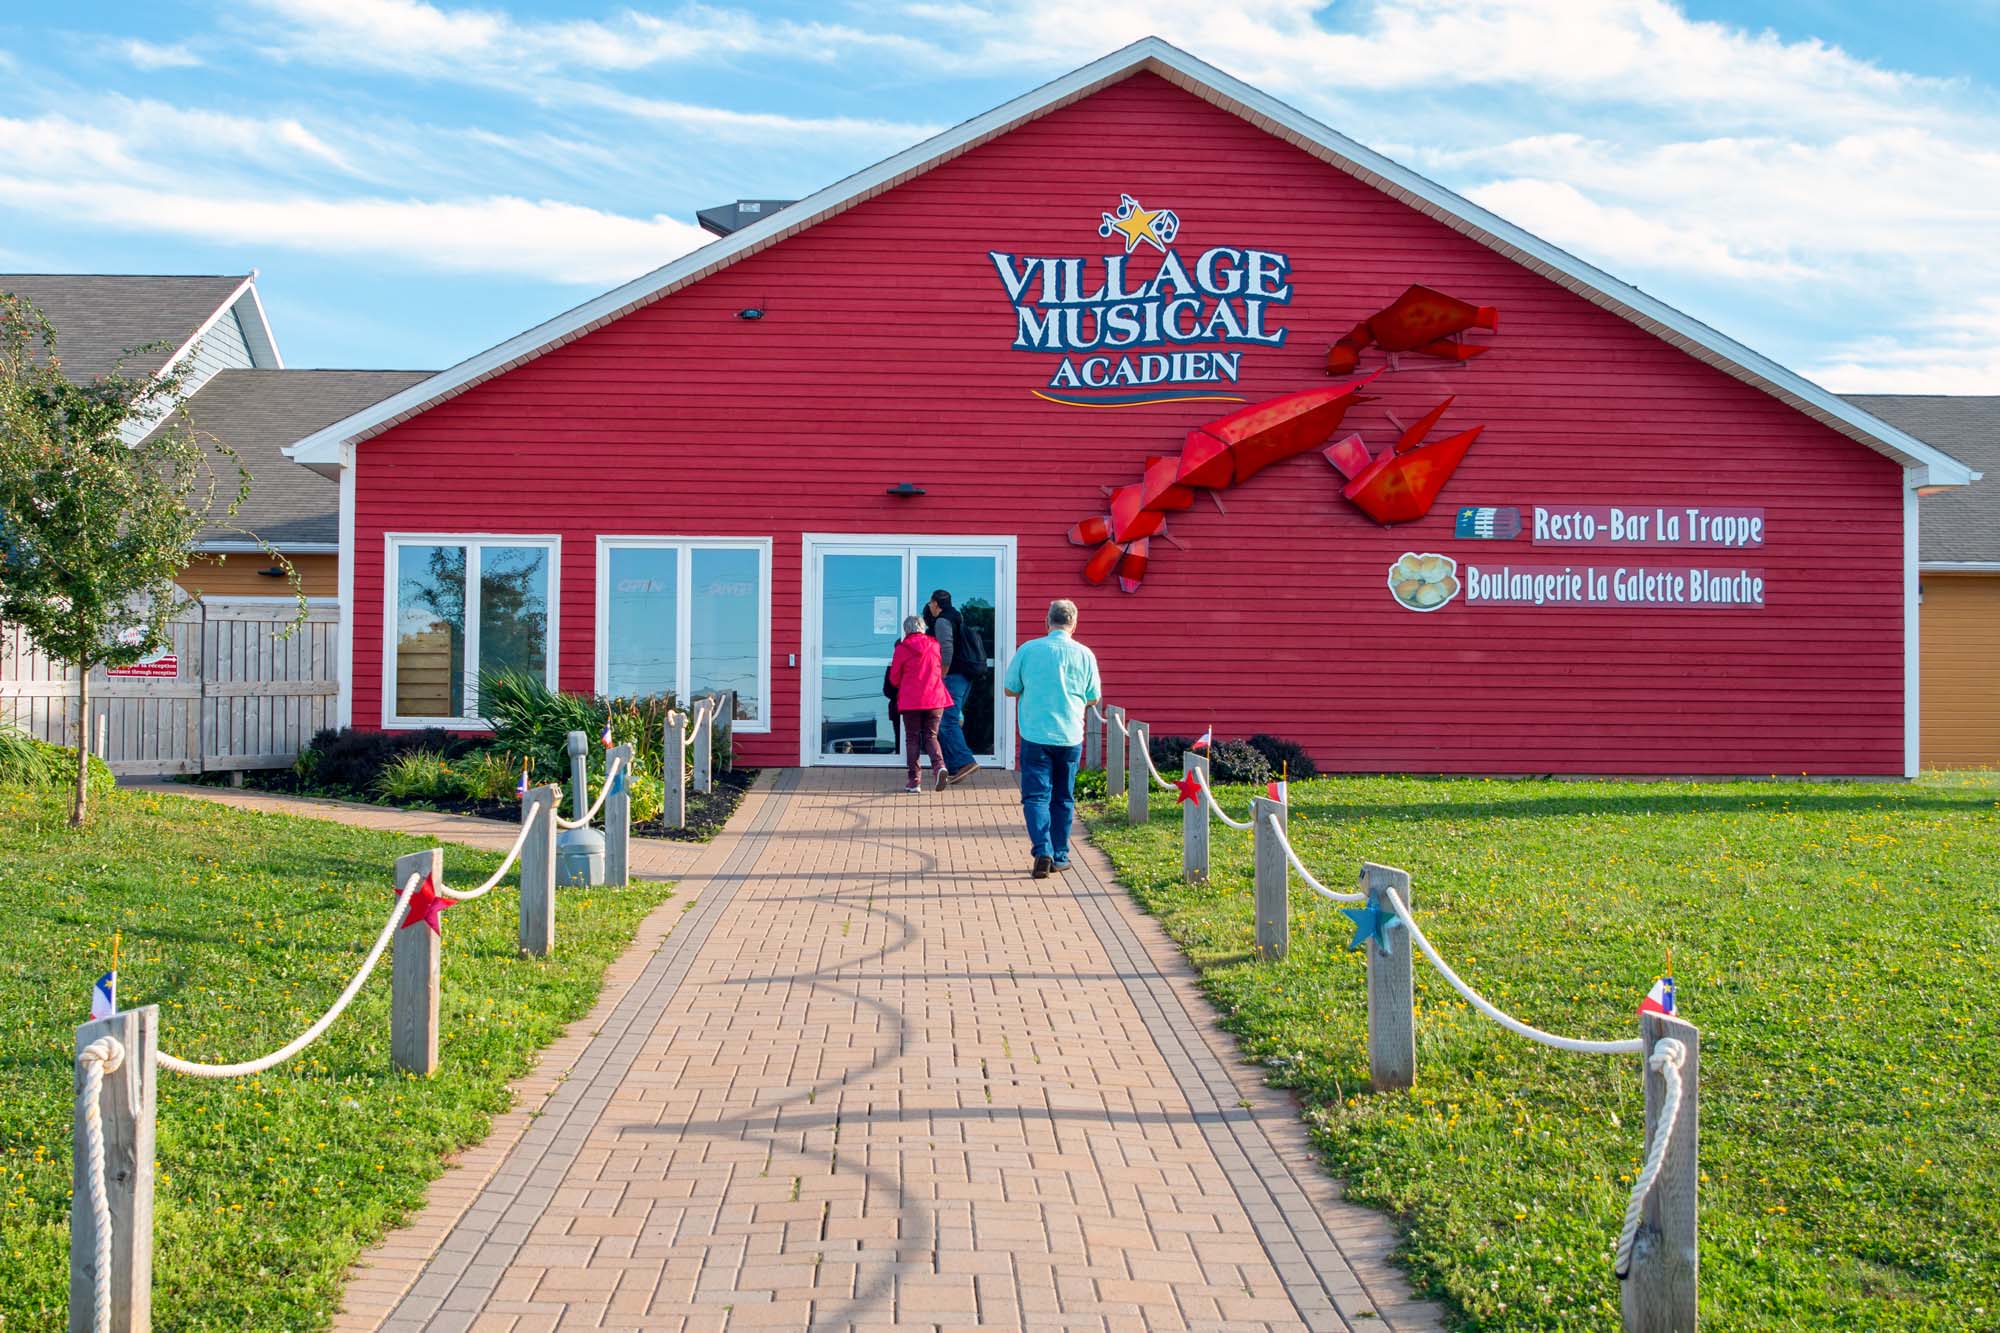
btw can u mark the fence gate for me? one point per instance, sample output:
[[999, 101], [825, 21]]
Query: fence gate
[[227, 694]]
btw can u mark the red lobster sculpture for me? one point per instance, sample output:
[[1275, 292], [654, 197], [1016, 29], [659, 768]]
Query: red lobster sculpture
[[1397, 486]]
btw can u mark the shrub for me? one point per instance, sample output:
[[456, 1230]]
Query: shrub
[[1167, 752], [487, 775], [528, 718], [38, 766], [353, 761], [649, 797], [1236, 761], [418, 775], [1091, 784], [1284, 756]]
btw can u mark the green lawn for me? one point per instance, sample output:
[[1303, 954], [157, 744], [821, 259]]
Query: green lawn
[[1836, 944], [243, 927]]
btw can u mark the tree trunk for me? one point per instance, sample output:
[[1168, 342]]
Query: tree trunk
[[80, 806]]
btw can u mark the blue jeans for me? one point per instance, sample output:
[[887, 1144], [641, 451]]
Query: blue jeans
[[1048, 796], [951, 731]]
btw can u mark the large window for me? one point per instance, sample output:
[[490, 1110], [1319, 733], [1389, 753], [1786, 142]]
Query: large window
[[459, 606], [683, 615]]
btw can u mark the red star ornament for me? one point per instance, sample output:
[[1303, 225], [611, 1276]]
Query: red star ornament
[[425, 905], [1189, 787]]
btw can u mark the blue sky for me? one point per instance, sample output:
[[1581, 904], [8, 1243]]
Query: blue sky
[[417, 181]]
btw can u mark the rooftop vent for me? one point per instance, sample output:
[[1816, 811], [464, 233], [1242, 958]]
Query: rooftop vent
[[726, 218]]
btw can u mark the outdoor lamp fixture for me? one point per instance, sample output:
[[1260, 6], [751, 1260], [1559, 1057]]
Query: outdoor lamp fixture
[[906, 489], [274, 572]]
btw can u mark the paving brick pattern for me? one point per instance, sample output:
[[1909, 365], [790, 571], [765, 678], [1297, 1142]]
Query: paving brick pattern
[[878, 1078]]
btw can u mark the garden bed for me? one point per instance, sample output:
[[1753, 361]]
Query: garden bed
[[1834, 943], [242, 927]]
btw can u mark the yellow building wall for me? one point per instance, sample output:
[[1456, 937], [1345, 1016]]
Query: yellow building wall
[[1960, 677], [238, 577]]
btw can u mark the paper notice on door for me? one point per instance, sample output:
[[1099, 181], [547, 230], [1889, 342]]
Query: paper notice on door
[[886, 620]]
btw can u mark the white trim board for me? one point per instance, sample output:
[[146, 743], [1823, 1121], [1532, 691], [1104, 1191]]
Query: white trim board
[[1150, 54], [684, 613]]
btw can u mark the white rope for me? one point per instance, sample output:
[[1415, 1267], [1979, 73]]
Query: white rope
[[311, 1034], [520, 841], [1628, 1046], [1668, 1056], [602, 792], [1218, 811], [1165, 785], [1119, 723], [101, 1057], [1306, 875]]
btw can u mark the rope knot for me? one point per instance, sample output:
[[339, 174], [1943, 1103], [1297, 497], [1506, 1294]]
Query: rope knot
[[106, 1052]]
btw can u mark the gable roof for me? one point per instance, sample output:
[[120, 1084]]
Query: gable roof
[[1959, 527], [257, 413], [100, 317], [324, 449]]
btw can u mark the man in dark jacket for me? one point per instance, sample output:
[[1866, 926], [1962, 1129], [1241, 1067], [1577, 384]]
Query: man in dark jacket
[[959, 673]]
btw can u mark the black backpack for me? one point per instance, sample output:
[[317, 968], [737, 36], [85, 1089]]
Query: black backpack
[[969, 648]]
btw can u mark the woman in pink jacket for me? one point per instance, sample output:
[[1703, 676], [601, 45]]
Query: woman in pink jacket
[[917, 672]]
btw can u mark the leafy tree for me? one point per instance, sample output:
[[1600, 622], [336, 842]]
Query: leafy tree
[[93, 529]]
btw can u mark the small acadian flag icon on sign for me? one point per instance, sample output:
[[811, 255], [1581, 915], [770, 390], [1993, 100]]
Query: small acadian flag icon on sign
[[1660, 999]]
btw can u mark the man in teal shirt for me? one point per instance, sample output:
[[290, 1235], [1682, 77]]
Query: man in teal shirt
[[1055, 679]]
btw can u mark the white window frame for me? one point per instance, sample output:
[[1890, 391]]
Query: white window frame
[[684, 612], [391, 541]]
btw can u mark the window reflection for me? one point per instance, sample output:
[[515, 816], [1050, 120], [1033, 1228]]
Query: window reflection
[[430, 631], [644, 629]]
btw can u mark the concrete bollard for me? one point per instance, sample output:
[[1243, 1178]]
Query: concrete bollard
[[1194, 824], [413, 997], [1114, 753], [618, 818], [1093, 737], [1139, 780], [125, 1111], [1392, 1000], [538, 873], [1659, 1294], [673, 752], [704, 743], [1274, 922]]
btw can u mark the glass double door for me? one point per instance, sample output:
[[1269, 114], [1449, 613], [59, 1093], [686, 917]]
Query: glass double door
[[862, 590]]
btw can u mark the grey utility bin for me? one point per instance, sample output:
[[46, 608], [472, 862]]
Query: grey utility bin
[[580, 857]]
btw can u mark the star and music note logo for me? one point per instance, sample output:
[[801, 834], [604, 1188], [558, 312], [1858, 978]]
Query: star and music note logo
[[1134, 222]]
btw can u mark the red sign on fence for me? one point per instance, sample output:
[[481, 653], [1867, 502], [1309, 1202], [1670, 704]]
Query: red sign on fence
[[164, 667]]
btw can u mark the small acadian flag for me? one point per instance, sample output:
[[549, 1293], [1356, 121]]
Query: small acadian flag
[[1279, 791], [104, 996], [605, 739], [522, 790], [1206, 739], [1660, 999]]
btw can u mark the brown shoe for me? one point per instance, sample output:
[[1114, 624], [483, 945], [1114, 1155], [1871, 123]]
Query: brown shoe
[[1042, 864], [943, 781], [963, 772]]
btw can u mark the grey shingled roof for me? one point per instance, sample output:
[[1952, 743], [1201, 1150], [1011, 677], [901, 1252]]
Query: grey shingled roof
[[257, 413], [100, 317], [1962, 523]]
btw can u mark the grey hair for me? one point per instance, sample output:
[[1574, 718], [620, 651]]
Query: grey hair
[[913, 624], [1062, 614]]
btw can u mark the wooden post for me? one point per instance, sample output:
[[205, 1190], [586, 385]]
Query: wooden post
[[413, 997], [1194, 824], [726, 701], [103, 731], [1274, 923], [674, 772], [538, 873], [1392, 1001], [1114, 752], [1659, 1295], [1139, 781], [704, 743], [125, 1110], [1093, 737], [618, 819]]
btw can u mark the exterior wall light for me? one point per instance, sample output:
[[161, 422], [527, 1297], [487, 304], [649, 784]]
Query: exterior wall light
[[750, 312], [905, 488]]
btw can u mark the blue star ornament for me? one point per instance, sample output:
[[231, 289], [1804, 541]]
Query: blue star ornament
[[1371, 923]]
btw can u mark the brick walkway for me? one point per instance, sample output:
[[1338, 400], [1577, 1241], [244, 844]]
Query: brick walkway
[[877, 1077]]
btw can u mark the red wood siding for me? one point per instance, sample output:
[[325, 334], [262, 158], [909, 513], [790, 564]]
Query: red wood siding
[[884, 356]]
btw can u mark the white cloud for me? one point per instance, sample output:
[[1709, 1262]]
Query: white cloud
[[1958, 353], [151, 55], [543, 239]]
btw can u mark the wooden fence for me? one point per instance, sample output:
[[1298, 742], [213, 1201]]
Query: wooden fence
[[232, 695]]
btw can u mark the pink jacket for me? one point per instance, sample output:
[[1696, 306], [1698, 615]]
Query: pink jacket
[[917, 672]]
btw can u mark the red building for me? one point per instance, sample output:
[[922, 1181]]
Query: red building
[[694, 480]]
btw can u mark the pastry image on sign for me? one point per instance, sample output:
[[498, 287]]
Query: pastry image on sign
[[1424, 582]]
